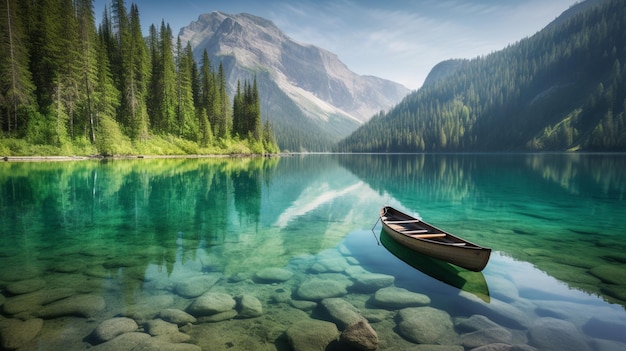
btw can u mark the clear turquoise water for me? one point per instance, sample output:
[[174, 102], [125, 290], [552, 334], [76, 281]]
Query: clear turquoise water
[[131, 231]]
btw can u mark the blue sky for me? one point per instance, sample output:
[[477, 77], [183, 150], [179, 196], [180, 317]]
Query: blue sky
[[399, 40]]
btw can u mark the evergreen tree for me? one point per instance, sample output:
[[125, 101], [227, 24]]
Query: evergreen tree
[[223, 102], [16, 87], [88, 51], [247, 112], [238, 112], [137, 80], [207, 93], [185, 109]]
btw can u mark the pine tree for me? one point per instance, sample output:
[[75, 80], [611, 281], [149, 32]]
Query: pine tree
[[185, 105], [16, 87], [88, 65], [138, 78], [224, 103]]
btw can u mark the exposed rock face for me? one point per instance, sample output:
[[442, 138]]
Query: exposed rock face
[[315, 80]]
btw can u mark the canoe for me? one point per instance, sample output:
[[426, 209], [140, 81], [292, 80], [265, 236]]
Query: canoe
[[424, 238], [454, 276]]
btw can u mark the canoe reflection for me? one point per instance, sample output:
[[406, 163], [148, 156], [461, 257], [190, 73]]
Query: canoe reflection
[[465, 280]]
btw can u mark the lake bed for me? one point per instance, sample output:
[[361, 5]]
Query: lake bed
[[239, 254]]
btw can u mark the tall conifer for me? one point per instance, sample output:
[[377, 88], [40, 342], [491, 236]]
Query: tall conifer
[[16, 87]]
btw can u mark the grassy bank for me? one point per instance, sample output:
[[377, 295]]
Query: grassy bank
[[152, 146]]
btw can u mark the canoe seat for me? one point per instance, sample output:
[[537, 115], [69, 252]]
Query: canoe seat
[[429, 236], [406, 221], [418, 231]]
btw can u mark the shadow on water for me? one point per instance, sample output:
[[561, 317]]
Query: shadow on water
[[468, 281]]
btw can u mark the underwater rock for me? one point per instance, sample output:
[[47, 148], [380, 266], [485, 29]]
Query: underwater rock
[[176, 316], [503, 289], [426, 325], [317, 289], [370, 282], [311, 335], [160, 327], [157, 343], [342, 312], [612, 274], [33, 301], [126, 341], [79, 305], [211, 303], [148, 307], [474, 323], [249, 306], [500, 312], [330, 265], [303, 305], [196, 286], [497, 335], [605, 329], [25, 286], [113, 327], [14, 332], [361, 336], [218, 317], [397, 298], [272, 275], [556, 334]]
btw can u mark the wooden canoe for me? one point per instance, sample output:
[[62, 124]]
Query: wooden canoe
[[424, 238]]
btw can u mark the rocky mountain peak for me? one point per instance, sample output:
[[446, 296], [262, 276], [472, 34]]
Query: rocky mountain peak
[[315, 80]]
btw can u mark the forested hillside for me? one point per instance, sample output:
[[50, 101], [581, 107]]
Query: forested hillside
[[564, 88], [69, 87]]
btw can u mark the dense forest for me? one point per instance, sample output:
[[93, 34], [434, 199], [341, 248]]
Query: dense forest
[[70, 87], [564, 88]]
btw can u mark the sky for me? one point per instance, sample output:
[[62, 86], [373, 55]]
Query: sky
[[399, 40]]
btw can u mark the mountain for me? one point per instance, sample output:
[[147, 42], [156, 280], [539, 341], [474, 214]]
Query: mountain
[[563, 88], [442, 70], [311, 98]]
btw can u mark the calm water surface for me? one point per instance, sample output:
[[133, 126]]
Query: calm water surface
[[84, 242]]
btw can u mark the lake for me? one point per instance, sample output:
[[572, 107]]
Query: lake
[[283, 253]]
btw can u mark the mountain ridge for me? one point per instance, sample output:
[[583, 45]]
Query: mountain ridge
[[332, 100], [561, 89]]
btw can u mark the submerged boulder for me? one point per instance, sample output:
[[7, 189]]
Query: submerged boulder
[[317, 289], [211, 303], [342, 312], [249, 306], [272, 275], [426, 325], [197, 286], [396, 298], [176, 316], [86, 306], [14, 333], [113, 327], [312, 335], [361, 336], [25, 286], [556, 334]]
